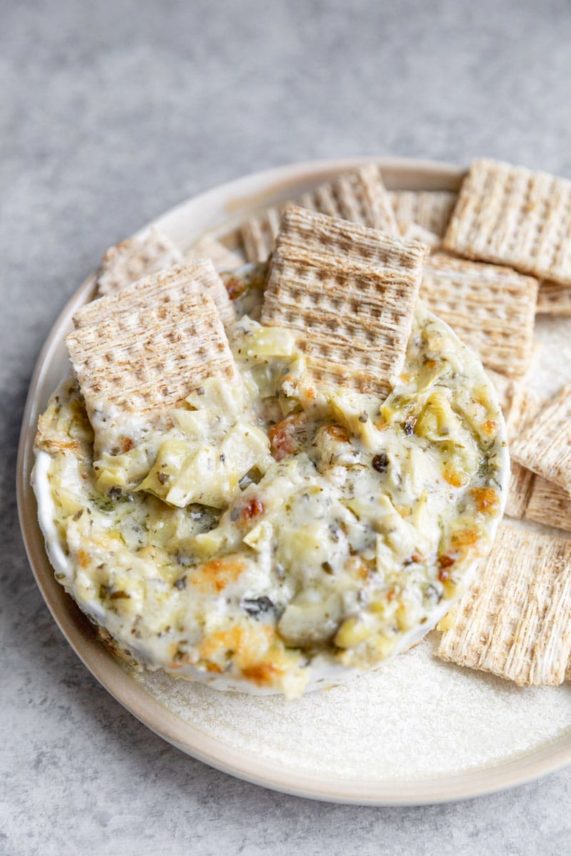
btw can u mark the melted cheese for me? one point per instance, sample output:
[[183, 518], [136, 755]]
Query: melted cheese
[[267, 535]]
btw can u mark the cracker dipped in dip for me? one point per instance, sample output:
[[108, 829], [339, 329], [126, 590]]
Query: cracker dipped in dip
[[284, 500]]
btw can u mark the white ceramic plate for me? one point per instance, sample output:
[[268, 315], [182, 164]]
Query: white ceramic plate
[[418, 731]]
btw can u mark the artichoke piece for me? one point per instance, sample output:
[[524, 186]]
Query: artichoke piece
[[311, 618]]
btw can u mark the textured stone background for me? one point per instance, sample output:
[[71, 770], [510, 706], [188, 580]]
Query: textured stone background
[[110, 112]]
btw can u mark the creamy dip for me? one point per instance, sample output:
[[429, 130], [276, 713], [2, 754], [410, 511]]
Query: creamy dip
[[275, 535]]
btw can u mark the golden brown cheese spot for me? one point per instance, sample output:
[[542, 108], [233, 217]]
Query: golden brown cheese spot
[[263, 674], [486, 499], [465, 538], [444, 563], [453, 477], [252, 509], [249, 648], [126, 444], [223, 641], [286, 437], [217, 574], [83, 559], [489, 427]]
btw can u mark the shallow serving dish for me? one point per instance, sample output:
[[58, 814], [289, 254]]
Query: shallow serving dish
[[416, 731]]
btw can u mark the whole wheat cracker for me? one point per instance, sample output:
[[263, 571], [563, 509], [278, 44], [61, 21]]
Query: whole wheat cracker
[[531, 497], [519, 491], [549, 504], [514, 216], [259, 234], [221, 257], [198, 275], [149, 357], [414, 232], [515, 621], [359, 196], [523, 409], [133, 259], [545, 445], [429, 209], [554, 299], [349, 291], [507, 389], [492, 309]]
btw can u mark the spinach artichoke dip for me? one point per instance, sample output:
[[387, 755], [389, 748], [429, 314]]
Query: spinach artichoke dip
[[273, 534]]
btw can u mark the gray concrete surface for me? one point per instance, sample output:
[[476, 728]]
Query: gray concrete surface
[[110, 112]]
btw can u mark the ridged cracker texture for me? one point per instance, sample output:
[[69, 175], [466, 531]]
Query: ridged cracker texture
[[545, 445], [554, 299], [259, 234], [199, 275], [350, 291], [514, 216], [549, 504], [221, 257], [516, 620], [491, 308], [133, 259], [531, 497], [519, 491], [359, 196], [429, 209], [414, 232], [523, 407], [507, 389], [150, 355]]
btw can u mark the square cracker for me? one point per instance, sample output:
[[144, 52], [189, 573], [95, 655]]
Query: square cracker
[[513, 216], [414, 232], [359, 196], [429, 209], [199, 275], [518, 404], [507, 388], [146, 355], [519, 491], [492, 309], [531, 497], [523, 408], [350, 291], [221, 257], [554, 299], [545, 444], [133, 259], [259, 234], [549, 504], [515, 621]]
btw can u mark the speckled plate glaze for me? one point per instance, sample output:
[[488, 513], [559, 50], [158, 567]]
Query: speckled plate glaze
[[417, 731]]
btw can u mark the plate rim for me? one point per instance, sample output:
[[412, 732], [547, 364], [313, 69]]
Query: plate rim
[[226, 202]]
